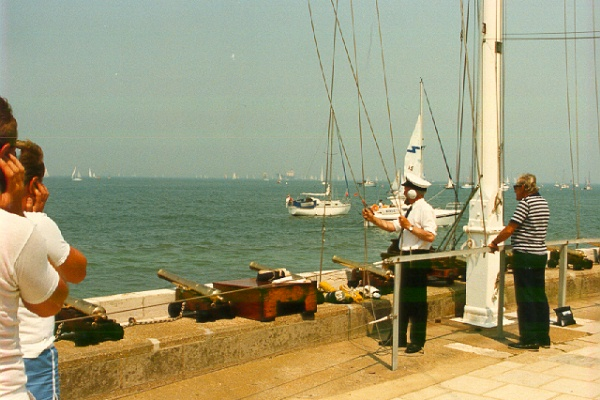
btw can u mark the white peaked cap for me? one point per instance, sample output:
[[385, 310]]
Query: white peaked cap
[[416, 181]]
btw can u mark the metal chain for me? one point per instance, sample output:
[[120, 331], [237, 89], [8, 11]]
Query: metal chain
[[133, 322], [58, 331]]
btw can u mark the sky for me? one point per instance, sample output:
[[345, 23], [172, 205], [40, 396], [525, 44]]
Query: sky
[[172, 88]]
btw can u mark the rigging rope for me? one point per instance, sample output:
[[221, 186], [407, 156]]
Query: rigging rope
[[437, 133], [387, 97], [329, 96], [596, 75], [329, 161], [568, 97], [359, 92]]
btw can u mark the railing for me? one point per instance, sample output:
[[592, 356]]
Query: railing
[[397, 260]]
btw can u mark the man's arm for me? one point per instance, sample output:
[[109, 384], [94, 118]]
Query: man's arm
[[423, 234], [53, 304], [367, 214], [74, 268], [41, 288], [503, 235]]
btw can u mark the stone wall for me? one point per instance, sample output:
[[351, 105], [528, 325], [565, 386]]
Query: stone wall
[[157, 353]]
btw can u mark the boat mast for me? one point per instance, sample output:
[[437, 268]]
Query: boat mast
[[421, 122], [485, 210]]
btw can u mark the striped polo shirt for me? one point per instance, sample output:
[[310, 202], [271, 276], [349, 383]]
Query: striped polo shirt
[[532, 214]]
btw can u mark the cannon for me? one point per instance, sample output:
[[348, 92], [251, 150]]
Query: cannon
[[85, 323], [203, 301]]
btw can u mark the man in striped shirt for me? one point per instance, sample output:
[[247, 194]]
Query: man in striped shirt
[[528, 227]]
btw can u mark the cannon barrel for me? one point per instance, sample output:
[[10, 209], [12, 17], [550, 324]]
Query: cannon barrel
[[204, 290], [361, 265], [85, 307], [259, 267], [276, 272]]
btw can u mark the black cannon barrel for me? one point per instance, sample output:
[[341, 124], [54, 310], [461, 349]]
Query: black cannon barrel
[[204, 290]]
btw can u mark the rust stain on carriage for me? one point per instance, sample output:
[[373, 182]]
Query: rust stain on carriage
[[263, 301]]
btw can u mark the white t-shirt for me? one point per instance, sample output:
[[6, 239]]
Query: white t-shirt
[[422, 215], [36, 333], [24, 272]]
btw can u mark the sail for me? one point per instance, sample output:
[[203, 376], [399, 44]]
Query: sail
[[413, 161], [76, 176]]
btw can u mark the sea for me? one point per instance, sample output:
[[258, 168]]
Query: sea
[[209, 230]]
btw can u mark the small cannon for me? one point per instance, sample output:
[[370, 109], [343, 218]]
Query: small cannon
[[206, 302], [85, 323]]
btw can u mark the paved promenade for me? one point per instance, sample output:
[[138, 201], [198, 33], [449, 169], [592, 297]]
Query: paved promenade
[[459, 362]]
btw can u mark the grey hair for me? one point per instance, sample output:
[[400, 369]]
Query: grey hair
[[529, 183]]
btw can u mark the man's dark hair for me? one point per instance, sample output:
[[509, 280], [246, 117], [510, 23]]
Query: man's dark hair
[[8, 123], [8, 131]]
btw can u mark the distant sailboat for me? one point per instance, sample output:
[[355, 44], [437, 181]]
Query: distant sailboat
[[75, 176], [92, 174], [588, 184], [450, 184]]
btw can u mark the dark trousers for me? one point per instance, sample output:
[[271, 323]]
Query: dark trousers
[[532, 303], [413, 301]]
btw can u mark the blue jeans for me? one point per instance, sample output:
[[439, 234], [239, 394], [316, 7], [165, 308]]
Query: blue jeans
[[42, 375]]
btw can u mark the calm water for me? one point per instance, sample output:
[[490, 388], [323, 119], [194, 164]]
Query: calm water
[[210, 230]]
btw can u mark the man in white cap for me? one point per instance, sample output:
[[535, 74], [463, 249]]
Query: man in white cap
[[417, 230]]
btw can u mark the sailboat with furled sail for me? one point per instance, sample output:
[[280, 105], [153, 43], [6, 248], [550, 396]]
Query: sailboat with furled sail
[[317, 205], [413, 164], [320, 204]]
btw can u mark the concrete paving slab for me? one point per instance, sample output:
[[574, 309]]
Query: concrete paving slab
[[512, 391]]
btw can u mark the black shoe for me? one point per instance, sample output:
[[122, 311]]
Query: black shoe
[[524, 346], [413, 348]]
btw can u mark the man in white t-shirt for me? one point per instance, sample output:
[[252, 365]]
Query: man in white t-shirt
[[418, 230], [24, 270], [36, 333]]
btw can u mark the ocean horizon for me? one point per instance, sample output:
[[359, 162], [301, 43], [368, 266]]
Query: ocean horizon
[[209, 230]]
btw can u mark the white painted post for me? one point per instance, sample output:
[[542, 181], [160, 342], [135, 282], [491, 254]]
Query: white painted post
[[485, 210]]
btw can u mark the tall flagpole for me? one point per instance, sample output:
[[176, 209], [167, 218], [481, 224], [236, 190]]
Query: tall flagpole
[[485, 210]]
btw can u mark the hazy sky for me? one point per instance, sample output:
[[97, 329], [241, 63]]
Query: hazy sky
[[209, 88]]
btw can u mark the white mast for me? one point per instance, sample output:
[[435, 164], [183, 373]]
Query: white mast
[[485, 212]]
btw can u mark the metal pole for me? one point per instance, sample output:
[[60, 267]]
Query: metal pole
[[501, 285], [562, 276], [396, 315]]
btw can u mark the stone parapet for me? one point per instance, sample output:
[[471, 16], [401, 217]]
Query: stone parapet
[[157, 353]]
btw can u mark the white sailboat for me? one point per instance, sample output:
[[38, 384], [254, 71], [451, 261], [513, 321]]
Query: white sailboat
[[368, 183], [317, 205], [588, 184], [413, 163], [76, 175]]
